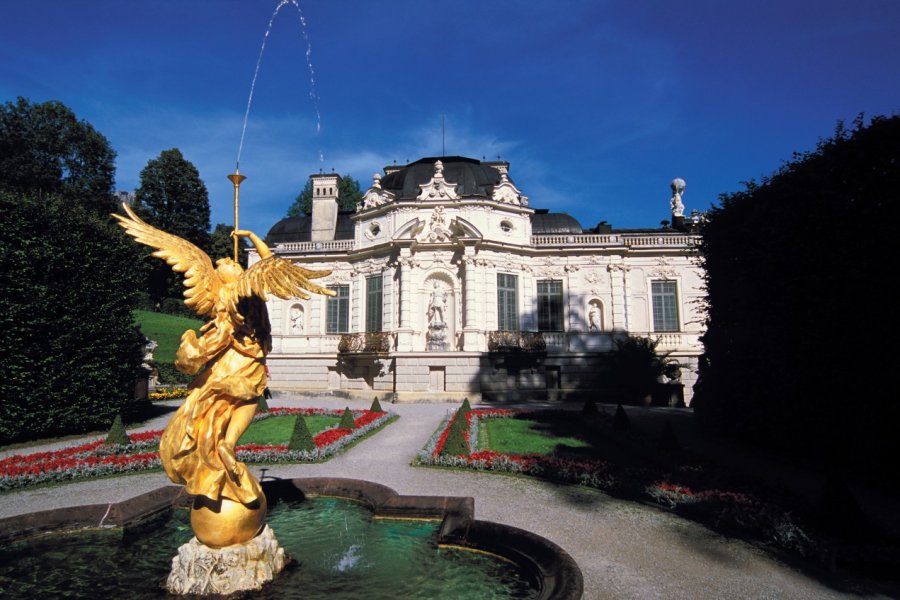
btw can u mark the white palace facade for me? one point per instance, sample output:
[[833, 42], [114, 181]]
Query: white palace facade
[[450, 285]]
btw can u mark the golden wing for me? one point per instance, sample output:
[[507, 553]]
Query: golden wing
[[200, 277], [282, 278]]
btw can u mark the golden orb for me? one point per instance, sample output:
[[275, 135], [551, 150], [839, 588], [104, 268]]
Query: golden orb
[[225, 522]]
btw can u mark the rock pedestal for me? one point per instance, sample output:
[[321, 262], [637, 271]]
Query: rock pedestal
[[199, 569]]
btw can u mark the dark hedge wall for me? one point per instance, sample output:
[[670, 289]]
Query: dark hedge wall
[[801, 343]]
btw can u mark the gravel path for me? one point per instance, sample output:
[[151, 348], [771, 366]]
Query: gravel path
[[624, 549]]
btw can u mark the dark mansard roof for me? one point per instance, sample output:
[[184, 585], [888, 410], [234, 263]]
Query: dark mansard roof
[[297, 229], [473, 177]]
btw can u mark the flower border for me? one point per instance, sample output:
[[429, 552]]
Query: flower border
[[98, 459]]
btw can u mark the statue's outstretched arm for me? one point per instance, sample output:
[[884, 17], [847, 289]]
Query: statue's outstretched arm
[[260, 245]]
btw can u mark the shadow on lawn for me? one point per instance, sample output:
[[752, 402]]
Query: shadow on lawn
[[648, 463]]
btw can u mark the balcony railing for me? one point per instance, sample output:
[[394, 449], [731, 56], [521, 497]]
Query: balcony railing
[[328, 246], [516, 341], [613, 240], [352, 343]]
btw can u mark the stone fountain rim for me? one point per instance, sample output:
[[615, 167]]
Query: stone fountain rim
[[558, 573]]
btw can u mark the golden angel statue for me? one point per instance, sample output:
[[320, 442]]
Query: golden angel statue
[[197, 447]]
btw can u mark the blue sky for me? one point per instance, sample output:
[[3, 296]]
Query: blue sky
[[597, 105]]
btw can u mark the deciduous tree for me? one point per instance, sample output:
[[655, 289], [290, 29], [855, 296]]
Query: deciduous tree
[[45, 149]]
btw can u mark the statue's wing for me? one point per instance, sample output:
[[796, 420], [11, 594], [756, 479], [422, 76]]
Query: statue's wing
[[200, 277], [281, 278]]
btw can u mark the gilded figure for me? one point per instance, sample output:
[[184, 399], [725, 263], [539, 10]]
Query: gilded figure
[[228, 359]]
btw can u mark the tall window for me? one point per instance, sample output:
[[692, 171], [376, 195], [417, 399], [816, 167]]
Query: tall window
[[550, 305], [507, 302], [338, 309], [373, 303], [665, 305]]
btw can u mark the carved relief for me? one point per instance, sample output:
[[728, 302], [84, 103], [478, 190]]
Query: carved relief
[[296, 319], [436, 230], [438, 188], [664, 269], [375, 196], [507, 192]]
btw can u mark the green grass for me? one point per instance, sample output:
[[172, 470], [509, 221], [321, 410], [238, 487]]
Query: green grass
[[278, 430], [165, 330], [525, 436]]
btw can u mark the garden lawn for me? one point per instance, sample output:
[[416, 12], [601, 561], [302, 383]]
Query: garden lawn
[[165, 330], [527, 436], [278, 430]]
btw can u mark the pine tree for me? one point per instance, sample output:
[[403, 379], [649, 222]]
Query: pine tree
[[347, 421], [117, 435], [456, 444], [301, 438], [621, 422]]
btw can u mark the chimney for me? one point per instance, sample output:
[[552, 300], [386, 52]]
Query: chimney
[[324, 206]]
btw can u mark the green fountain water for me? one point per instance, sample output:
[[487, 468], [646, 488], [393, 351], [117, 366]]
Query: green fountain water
[[339, 552]]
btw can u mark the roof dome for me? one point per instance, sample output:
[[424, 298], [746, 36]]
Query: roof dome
[[547, 223], [471, 176]]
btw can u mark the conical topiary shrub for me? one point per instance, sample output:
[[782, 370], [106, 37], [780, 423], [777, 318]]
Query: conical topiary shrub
[[455, 444], [376, 406], [262, 406], [301, 438], [621, 422], [466, 408], [117, 433], [589, 408], [347, 421], [668, 441]]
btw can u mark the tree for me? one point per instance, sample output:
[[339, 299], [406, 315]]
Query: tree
[[45, 149], [794, 354], [172, 197], [348, 197], [221, 244], [68, 346], [634, 368]]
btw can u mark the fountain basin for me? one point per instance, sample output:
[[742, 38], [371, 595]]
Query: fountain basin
[[551, 572]]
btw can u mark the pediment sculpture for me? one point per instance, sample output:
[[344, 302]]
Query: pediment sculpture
[[375, 196], [507, 192], [438, 188]]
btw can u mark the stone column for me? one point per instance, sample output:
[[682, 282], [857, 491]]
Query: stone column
[[618, 272], [404, 334], [471, 337]]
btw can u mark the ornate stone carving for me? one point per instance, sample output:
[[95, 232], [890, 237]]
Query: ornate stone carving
[[201, 570], [438, 305], [436, 230], [677, 186], [296, 318], [375, 196], [664, 269], [369, 266], [595, 316], [438, 188], [409, 262], [508, 193], [516, 341], [341, 276], [365, 342], [617, 267]]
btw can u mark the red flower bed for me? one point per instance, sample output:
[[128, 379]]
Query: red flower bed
[[96, 458]]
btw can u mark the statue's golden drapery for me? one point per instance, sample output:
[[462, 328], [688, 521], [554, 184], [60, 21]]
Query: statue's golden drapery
[[197, 447]]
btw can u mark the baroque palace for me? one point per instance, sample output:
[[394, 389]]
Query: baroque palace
[[449, 285]]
